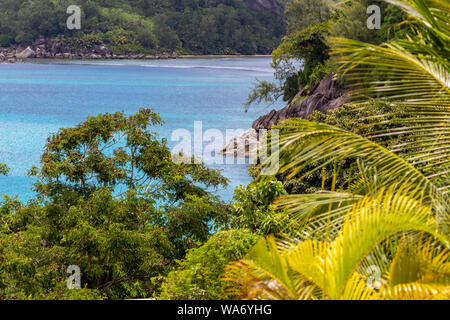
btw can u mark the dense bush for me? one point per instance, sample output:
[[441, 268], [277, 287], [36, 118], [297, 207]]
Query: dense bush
[[198, 276]]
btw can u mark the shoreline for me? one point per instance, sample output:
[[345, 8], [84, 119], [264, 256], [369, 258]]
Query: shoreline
[[215, 56], [13, 59], [44, 49]]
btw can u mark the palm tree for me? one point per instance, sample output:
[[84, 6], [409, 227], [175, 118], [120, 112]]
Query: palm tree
[[394, 217], [342, 268]]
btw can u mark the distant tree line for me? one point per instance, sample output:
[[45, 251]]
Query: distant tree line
[[189, 26]]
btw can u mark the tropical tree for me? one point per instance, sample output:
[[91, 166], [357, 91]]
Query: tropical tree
[[112, 202], [394, 216]]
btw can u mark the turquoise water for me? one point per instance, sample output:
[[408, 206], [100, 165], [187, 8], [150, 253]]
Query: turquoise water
[[36, 99]]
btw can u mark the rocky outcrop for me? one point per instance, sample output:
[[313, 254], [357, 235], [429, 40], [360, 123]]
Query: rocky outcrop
[[323, 96], [25, 54], [245, 145], [8, 55], [45, 48]]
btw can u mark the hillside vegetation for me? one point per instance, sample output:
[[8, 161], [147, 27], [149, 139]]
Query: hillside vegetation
[[187, 26]]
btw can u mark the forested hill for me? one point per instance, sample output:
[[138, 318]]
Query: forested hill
[[185, 26]]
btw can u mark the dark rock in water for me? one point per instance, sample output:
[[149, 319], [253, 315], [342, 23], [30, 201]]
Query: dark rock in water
[[323, 96]]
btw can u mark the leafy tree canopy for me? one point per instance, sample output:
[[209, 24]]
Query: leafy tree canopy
[[112, 202]]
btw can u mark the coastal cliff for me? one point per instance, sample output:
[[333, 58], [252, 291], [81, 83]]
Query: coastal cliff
[[326, 95], [323, 96]]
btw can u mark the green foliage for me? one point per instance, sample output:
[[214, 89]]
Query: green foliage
[[253, 210], [395, 216], [320, 71], [6, 40], [350, 21], [167, 37], [198, 275], [302, 14], [264, 91], [338, 268], [114, 242], [191, 222], [111, 201], [363, 121], [121, 245], [302, 57], [309, 46], [392, 26], [116, 151], [146, 39]]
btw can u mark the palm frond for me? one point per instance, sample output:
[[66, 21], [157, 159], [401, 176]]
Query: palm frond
[[303, 142], [431, 15], [262, 273], [296, 269], [415, 291], [393, 72], [419, 261]]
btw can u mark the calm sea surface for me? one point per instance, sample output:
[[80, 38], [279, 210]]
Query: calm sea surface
[[36, 99]]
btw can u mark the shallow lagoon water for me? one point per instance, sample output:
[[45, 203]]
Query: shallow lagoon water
[[38, 98]]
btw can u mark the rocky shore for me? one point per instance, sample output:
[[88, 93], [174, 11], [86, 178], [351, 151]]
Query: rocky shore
[[44, 48], [323, 96]]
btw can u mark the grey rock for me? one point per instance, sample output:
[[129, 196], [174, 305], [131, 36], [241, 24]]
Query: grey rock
[[245, 145], [25, 54], [44, 47], [323, 96]]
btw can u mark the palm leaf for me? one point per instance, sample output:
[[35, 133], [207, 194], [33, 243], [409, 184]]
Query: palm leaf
[[311, 266], [392, 71], [303, 142]]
